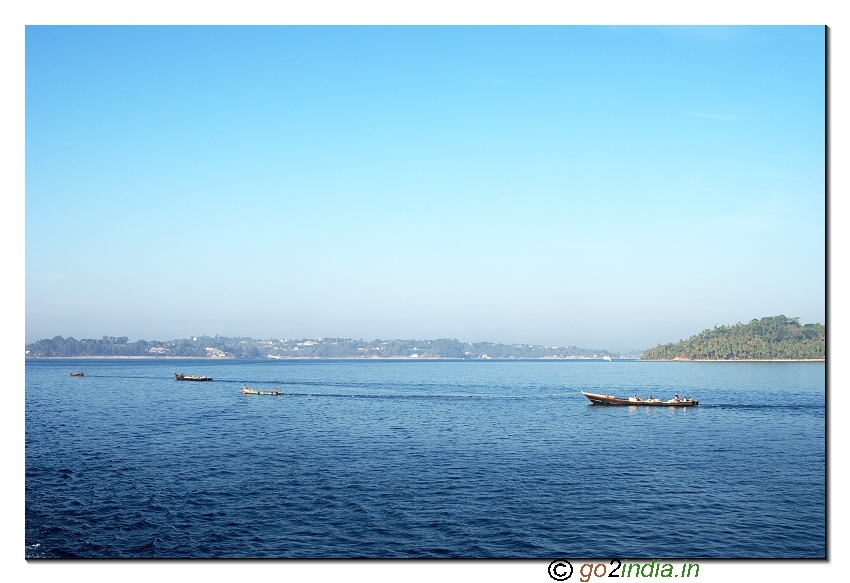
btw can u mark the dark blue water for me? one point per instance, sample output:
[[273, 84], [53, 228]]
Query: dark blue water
[[423, 459]]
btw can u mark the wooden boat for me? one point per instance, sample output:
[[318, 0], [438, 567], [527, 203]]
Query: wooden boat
[[76, 374], [651, 402], [181, 377], [246, 390]]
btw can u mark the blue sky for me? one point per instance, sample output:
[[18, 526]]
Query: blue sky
[[610, 187]]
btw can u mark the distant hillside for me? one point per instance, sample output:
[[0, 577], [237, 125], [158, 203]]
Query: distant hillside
[[223, 347], [777, 337]]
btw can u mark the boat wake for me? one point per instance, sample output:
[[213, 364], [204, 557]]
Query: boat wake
[[420, 397]]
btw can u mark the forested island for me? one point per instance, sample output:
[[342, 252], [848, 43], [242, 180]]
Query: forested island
[[240, 347], [773, 338]]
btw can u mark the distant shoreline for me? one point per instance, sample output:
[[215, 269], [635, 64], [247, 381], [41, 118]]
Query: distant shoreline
[[389, 358], [125, 358], [430, 359]]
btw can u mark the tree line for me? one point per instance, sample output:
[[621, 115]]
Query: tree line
[[771, 338], [220, 346]]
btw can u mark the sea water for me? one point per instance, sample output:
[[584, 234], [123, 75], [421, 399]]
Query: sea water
[[495, 459]]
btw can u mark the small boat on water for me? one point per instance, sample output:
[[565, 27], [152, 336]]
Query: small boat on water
[[637, 401], [76, 374], [181, 377], [246, 390]]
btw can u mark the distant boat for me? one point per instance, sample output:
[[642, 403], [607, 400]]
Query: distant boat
[[76, 374], [181, 377], [651, 402], [608, 358], [246, 390]]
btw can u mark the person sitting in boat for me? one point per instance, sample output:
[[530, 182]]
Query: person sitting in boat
[[635, 399], [676, 398]]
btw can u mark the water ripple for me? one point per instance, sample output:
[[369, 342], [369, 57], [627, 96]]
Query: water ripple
[[438, 459]]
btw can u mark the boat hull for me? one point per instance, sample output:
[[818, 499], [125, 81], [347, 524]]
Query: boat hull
[[609, 400], [248, 391], [182, 377]]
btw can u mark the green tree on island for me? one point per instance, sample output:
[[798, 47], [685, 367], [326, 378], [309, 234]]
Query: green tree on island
[[777, 337]]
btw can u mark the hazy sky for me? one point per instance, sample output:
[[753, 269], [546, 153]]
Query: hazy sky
[[608, 187]]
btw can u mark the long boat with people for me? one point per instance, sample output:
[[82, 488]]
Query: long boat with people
[[181, 377], [606, 399], [76, 374], [246, 390]]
